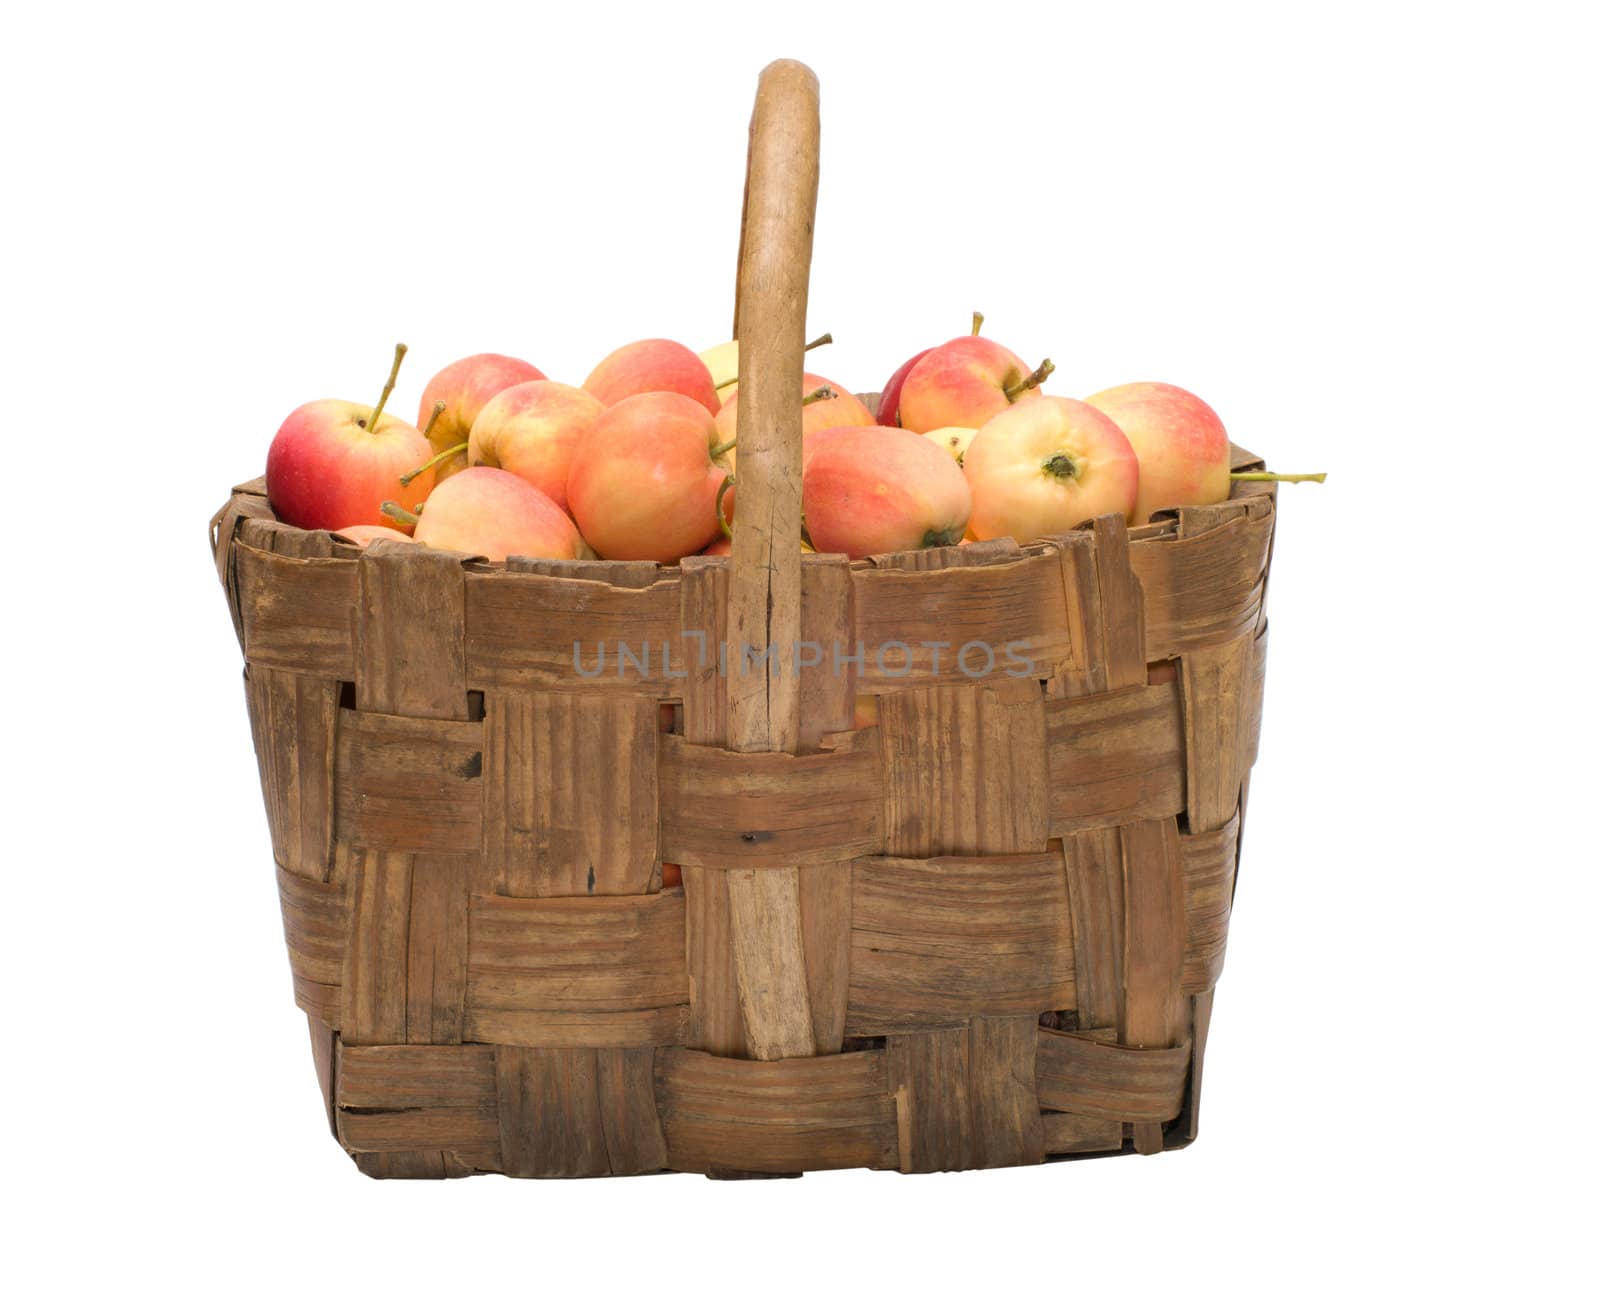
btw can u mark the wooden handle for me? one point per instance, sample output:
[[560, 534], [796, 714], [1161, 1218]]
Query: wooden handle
[[780, 204]]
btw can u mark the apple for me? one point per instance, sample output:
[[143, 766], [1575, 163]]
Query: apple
[[952, 440], [364, 534], [872, 490], [531, 430], [722, 362], [842, 409], [964, 383], [649, 366], [492, 512], [1043, 467], [333, 463], [1183, 449], [464, 388], [643, 484], [889, 397]]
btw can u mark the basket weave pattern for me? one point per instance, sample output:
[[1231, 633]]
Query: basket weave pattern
[[1013, 890]]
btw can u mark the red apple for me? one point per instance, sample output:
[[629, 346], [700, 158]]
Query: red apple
[[1184, 456], [889, 398], [964, 383], [464, 388], [643, 485], [334, 463], [532, 430], [652, 365], [872, 490], [492, 512], [1043, 467]]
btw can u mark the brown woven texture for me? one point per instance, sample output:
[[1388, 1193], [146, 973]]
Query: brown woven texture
[[983, 932]]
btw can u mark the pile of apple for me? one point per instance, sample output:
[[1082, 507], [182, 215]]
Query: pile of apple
[[641, 461]]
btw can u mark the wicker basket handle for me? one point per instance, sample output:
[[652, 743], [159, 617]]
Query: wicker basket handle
[[780, 202]]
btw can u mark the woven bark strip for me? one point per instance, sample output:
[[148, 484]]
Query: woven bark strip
[[1098, 1080], [982, 932], [315, 926], [293, 721], [570, 794], [934, 942], [577, 973], [296, 612], [577, 1112], [1014, 611], [1208, 864], [1114, 758], [770, 810], [775, 1117], [527, 631], [965, 770], [409, 783]]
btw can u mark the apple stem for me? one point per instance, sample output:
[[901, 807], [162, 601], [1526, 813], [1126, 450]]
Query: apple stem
[[722, 518], [977, 323], [717, 451], [390, 509], [434, 462], [438, 408], [1279, 476], [1034, 378], [388, 387], [821, 393]]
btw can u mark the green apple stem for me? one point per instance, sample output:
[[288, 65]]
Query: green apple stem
[[1034, 378], [717, 451], [388, 388], [390, 509], [821, 393], [438, 408], [722, 518], [434, 462], [1279, 476], [977, 323]]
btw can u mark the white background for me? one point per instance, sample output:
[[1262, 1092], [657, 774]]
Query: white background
[[1366, 234]]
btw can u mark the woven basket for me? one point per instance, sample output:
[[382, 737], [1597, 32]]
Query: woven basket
[[983, 931]]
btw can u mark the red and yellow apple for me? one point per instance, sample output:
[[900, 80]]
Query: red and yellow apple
[[964, 383], [330, 466], [1184, 455], [722, 362], [532, 430], [889, 397], [492, 512], [1043, 467], [464, 388], [872, 490], [648, 366], [643, 484]]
